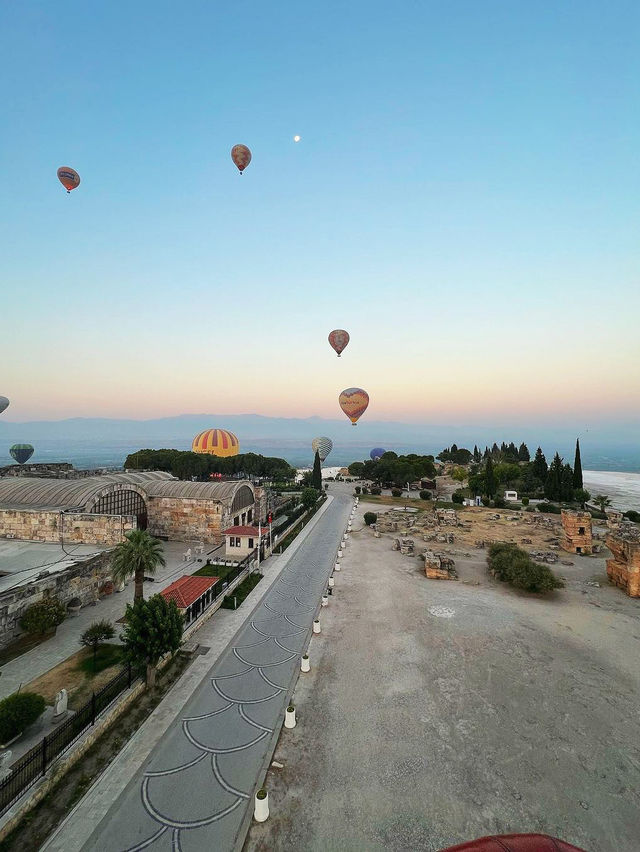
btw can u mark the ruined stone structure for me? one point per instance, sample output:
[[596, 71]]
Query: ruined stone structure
[[82, 580], [576, 528], [623, 568], [437, 567], [102, 509]]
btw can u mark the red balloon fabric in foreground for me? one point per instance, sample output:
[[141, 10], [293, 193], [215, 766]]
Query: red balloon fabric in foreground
[[515, 843]]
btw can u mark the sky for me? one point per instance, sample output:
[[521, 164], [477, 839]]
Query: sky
[[464, 200]]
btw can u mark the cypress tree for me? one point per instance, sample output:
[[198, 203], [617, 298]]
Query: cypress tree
[[523, 453], [316, 476], [566, 484], [489, 478], [553, 482], [577, 468], [539, 466]]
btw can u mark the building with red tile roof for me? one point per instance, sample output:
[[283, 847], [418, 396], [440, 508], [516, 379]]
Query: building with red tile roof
[[192, 595]]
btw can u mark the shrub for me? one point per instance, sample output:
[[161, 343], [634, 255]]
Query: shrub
[[486, 501], [425, 495], [396, 492], [370, 518], [357, 489], [549, 508], [510, 564], [525, 501], [43, 616], [376, 490], [457, 497], [365, 490], [632, 515], [499, 502], [17, 712], [530, 509]]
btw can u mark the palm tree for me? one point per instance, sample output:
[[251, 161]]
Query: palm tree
[[139, 554], [602, 501]]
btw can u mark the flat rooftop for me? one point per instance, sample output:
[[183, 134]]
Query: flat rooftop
[[23, 561]]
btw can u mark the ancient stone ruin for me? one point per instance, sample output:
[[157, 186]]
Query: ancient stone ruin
[[623, 568], [438, 567], [576, 528], [404, 545], [447, 517]]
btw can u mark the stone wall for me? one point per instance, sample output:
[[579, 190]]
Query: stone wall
[[623, 568], [184, 519], [82, 580], [54, 526], [576, 529]]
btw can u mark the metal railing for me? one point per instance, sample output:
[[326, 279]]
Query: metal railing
[[34, 764]]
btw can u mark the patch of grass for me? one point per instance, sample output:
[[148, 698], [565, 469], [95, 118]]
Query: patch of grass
[[106, 656], [23, 644], [208, 570], [237, 596]]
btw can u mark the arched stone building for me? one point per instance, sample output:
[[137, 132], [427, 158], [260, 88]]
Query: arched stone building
[[101, 509]]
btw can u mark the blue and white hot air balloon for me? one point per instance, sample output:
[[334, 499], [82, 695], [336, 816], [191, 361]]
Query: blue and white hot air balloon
[[376, 453]]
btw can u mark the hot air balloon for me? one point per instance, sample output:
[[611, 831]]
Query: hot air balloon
[[322, 446], [4, 403], [21, 452], [68, 177], [338, 339], [354, 402], [216, 442], [376, 453], [241, 156]]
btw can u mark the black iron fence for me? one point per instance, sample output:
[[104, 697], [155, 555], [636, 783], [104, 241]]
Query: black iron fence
[[33, 765]]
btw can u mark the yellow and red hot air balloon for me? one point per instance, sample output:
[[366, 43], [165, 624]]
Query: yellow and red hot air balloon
[[338, 339], [68, 177], [354, 403], [241, 156], [216, 442]]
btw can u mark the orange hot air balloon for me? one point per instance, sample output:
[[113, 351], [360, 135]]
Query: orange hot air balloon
[[241, 156], [68, 177], [354, 403], [338, 339]]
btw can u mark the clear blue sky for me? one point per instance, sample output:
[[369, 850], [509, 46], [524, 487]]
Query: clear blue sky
[[467, 185]]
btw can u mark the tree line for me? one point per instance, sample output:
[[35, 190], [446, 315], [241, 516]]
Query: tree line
[[185, 465], [394, 470]]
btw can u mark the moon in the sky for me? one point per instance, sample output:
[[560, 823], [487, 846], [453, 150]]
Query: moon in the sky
[[296, 138]]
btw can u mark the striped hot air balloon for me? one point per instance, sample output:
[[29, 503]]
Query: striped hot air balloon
[[4, 403], [322, 446], [354, 402], [216, 442], [21, 452]]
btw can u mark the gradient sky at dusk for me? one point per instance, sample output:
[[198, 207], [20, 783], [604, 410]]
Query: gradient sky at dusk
[[464, 200]]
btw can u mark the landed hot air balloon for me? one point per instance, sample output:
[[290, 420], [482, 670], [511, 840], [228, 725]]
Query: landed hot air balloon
[[322, 446], [376, 453], [4, 403], [339, 338], [68, 177], [216, 442], [354, 403], [21, 452], [241, 156]]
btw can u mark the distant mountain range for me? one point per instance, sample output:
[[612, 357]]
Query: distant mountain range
[[104, 441]]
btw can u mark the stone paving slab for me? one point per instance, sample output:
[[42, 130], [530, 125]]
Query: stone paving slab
[[187, 778]]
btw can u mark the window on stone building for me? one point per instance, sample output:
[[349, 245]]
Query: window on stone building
[[237, 542], [250, 542], [580, 530], [236, 521], [232, 541], [249, 516]]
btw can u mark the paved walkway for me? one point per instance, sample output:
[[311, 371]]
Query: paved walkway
[[44, 657], [194, 790]]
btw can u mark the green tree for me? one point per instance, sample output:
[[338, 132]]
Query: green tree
[[553, 482], [356, 469], [602, 502], [43, 616], [459, 474], [539, 466], [566, 483], [139, 554], [95, 635], [17, 712], [507, 473], [577, 468], [580, 495], [153, 628], [477, 455], [523, 453], [490, 483], [309, 497], [316, 477]]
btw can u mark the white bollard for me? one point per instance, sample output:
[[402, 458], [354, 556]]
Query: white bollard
[[337, 566], [325, 600], [290, 717], [261, 806], [339, 554], [332, 582], [305, 665], [316, 626]]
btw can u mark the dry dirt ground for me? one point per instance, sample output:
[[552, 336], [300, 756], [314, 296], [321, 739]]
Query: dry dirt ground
[[66, 674], [438, 711]]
